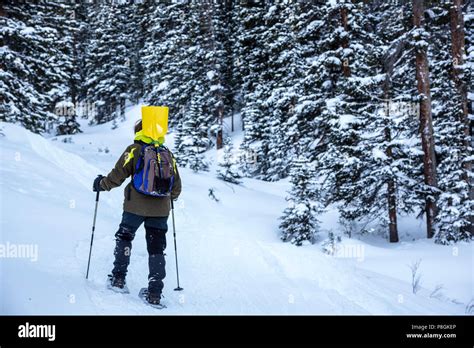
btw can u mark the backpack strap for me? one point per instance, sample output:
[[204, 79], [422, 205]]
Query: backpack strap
[[174, 163], [140, 158]]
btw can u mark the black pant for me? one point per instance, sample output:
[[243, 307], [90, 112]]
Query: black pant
[[155, 228]]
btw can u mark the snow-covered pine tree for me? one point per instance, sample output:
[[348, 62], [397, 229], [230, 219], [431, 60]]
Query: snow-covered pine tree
[[313, 113], [299, 220], [338, 154], [250, 64], [229, 170], [468, 8], [456, 209], [248, 156], [193, 136], [227, 34], [305, 125], [360, 168], [37, 60], [387, 148], [80, 37], [284, 77], [268, 42], [68, 20], [402, 112], [108, 60], [166, 59], [183, 56], [215, 31], [136, 17], [419, 41], [249, 56], [19, 93], [382, 187]]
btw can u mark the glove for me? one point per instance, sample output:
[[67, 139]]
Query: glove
[[96, 187]]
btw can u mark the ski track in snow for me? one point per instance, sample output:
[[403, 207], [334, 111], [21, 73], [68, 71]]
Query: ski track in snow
[[231, 260]]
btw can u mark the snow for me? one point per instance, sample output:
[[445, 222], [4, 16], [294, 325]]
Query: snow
[[211, 74], [313, 25], [27, 31], [216, 87], [345, 120], [163, 85], [379, 154], [468, 17], [331, 104], [231, 258]]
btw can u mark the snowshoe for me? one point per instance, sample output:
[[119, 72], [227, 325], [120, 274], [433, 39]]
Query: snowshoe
[[117, 284], [151, 299]]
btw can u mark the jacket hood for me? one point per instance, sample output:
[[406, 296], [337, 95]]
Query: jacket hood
[[139, 136]]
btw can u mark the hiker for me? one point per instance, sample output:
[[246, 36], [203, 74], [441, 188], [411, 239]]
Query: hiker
[[143, 203]]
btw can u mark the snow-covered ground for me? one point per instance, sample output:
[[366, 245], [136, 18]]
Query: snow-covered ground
[[231, 258]]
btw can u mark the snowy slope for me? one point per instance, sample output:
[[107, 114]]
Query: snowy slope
[[231, 259]]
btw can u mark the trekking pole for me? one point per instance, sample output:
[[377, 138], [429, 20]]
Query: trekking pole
[[178, 288], [93, 229]]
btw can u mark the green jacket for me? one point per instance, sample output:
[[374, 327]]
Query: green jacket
[[135, 202]]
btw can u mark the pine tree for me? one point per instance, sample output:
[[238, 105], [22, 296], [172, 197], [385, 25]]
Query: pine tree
[[426, 124], [108, 61], [183, 55], [215, 32], [299, 220], [306, 123], [193, 137], [269, 82], [382, 185], [19, 93], [68, 20], [37, 62], [249, 61], [165, 58], [453, 221], [249, 64], [340, 120], [284, 74], [228, 170]]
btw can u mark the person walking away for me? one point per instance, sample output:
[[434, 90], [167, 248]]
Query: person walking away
[[155, 181]]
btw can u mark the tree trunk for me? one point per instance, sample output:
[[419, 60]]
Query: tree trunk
[[220, 118], [122, 108], [392, 55], [426, 124], [345, 42], [458, 52], [391, 189]]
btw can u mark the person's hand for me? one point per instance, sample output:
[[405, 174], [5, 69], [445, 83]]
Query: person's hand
[[96, 187]]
